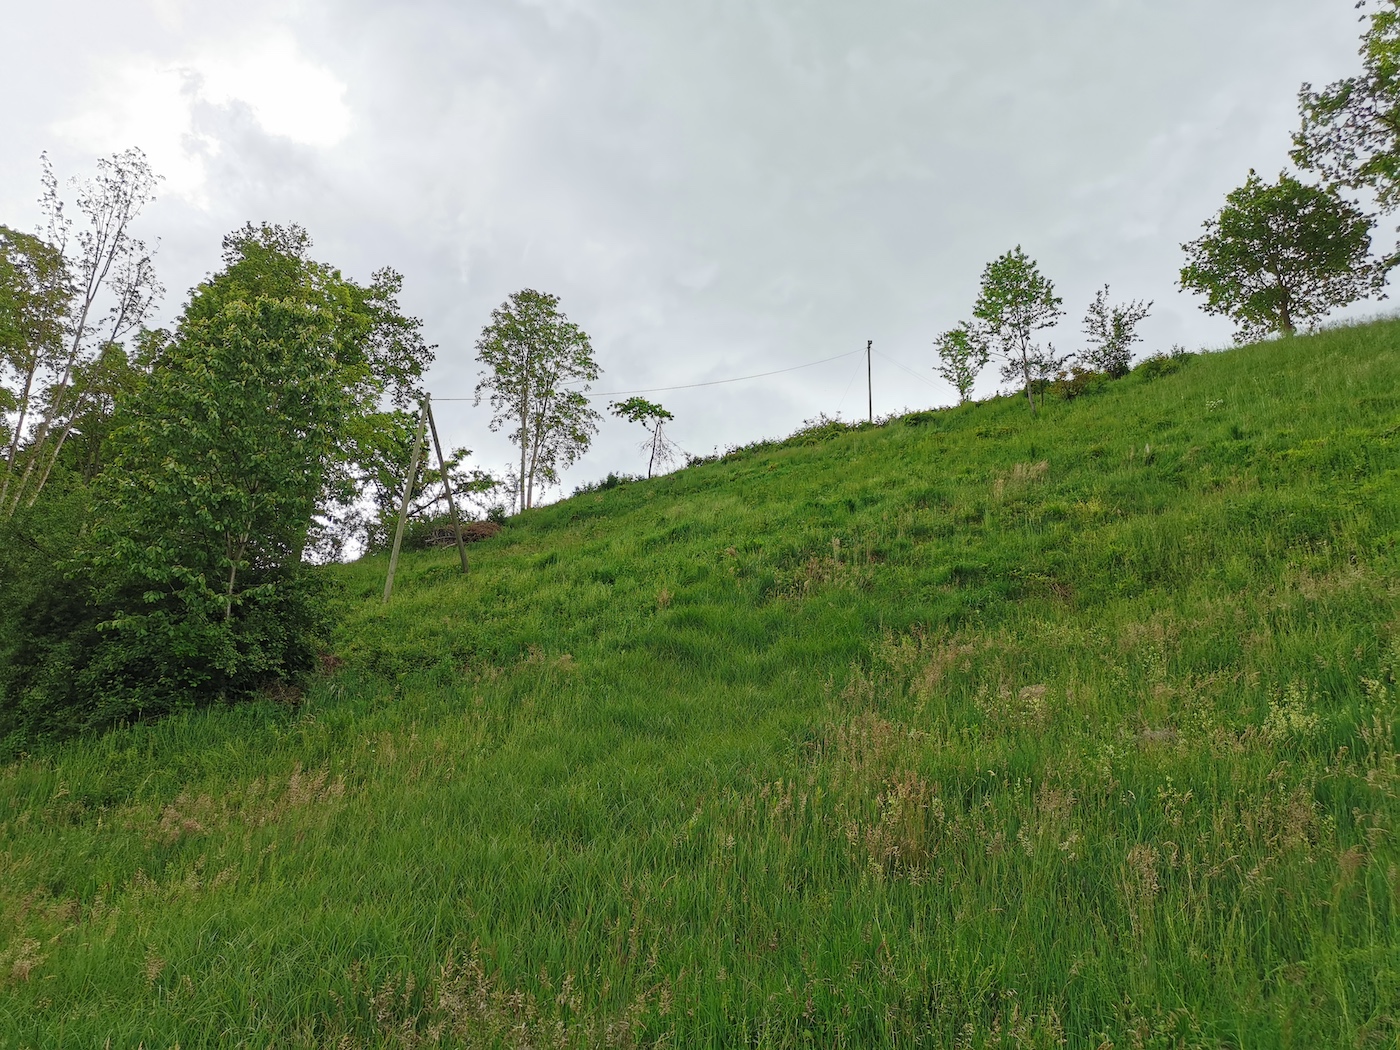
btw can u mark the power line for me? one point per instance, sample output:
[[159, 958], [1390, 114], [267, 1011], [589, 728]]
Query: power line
[[692, 386], [916, 375]]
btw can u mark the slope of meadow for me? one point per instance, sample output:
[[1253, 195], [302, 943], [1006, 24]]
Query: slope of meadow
[[972, 729]]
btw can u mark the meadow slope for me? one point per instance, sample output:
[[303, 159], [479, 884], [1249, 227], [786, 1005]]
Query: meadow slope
[[972, 729]]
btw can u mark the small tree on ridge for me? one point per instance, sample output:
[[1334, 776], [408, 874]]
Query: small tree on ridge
[[1015, 302], [1112, 330], [962, 353], [652, 417]]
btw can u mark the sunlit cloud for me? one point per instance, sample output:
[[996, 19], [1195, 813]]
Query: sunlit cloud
[[164, 106]]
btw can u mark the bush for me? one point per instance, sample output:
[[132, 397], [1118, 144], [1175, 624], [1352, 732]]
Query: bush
[[612, 481], [1078, 382], [1160, 364], [82, 650]]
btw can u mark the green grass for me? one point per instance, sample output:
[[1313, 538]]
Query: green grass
[[969, 730]]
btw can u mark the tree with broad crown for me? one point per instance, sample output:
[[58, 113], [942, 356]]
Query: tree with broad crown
[[1111, 329], [1350, 133], [1014, 303], [532, 353], [243, 429], [963, 354], [652, 417], [1281, 254]]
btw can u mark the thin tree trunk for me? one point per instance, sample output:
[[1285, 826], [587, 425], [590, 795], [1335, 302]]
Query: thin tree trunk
[[524, 442], [234, 559], [1026, 372], [541, 415], [13, 451]]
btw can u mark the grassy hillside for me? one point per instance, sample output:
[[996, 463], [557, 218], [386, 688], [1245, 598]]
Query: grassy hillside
[[973, 730]]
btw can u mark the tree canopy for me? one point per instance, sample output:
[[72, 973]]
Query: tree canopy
[[538, 367], [1282, 254], [962, 354], [1015, 301], [1350, 132]]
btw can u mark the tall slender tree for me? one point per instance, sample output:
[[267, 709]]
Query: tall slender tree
[[1016, 301], [538, 367], [114, 289], [35, 292]]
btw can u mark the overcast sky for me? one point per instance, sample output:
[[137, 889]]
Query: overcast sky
[[713, 188]]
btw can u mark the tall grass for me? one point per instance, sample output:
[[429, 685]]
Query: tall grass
[[971, 730]]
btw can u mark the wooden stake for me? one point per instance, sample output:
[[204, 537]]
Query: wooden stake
[[403, 507], [446, 483]]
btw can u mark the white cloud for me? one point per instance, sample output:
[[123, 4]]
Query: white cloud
[[163, 106]]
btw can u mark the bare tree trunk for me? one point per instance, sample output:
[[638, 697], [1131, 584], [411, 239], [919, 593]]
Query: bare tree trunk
[[537, 439], [1026, 372]]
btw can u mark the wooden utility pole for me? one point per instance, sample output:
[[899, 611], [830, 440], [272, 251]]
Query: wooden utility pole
[[869, 388], [446, 483], [407, 495]]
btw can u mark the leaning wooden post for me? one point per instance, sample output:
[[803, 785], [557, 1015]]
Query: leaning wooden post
[[446, 483], [407, 495]]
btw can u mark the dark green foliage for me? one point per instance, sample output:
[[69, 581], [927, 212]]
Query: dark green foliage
[[1078, 382], [1111, 330]]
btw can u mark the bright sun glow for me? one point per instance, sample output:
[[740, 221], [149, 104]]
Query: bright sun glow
[[156, 106]]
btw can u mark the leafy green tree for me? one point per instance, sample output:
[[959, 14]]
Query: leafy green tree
[[191, 585], [211, 496], [539, 365], [652, 417], [1277, 255], [1111, 329], [1016, 301], [963, 354], [1350, 131], [34, 300]]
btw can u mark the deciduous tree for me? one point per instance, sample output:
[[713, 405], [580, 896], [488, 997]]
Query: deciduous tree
[[963, 354], [1016, 301], [1282, 254], [34, 299], [1111, 329], [652, 417], [539, 365], [1350, 131], [113, 289]]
